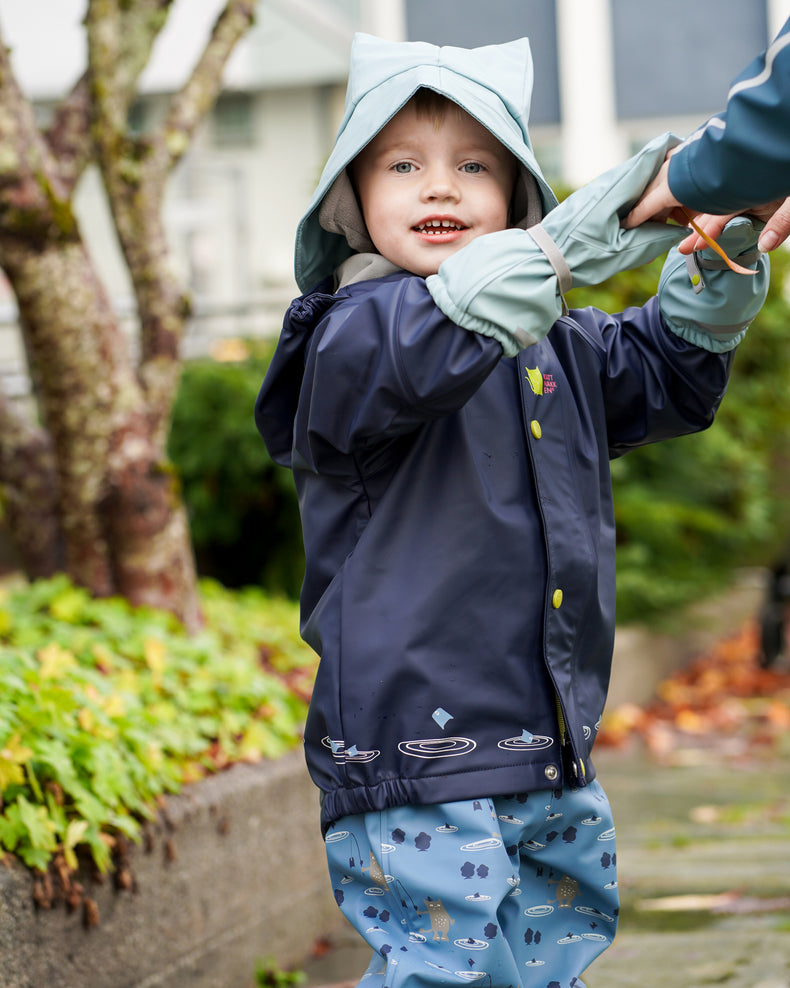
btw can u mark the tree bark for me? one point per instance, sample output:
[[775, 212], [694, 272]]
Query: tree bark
[[123, 523], [30, 493]]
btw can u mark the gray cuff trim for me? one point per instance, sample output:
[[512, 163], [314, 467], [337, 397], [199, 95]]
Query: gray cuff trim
[[696, 263], [555, 259], [694, 272], [707, 341]]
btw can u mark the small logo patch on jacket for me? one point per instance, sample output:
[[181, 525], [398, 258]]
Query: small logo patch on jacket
[[540, 383]]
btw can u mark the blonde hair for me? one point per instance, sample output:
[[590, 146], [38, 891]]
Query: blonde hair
[[429, 103]]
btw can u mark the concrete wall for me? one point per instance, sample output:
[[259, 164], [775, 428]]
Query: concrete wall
[[248, 882], [644, 657]]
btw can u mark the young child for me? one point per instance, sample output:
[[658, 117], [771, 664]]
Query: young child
[[455, 495]]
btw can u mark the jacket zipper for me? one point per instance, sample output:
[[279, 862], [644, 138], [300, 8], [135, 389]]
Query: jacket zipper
[[561, 720], [565, 743]]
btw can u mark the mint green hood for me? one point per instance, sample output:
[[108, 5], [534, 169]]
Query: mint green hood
[[493, 84]]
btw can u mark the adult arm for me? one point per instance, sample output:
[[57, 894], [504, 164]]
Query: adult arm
[[741, 158]]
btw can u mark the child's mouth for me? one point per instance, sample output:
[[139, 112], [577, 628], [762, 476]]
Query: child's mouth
[[440, 229]]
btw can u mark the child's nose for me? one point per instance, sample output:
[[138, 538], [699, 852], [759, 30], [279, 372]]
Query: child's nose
[[440, 183]]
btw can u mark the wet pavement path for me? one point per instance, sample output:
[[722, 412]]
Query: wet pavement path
[[704, 873]]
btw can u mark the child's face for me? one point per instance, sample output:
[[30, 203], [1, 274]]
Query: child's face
[[428, 187]]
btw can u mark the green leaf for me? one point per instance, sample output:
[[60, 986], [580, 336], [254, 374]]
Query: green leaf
[[39, 828], [69, 604]]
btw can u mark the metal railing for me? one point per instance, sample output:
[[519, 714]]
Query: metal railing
[[212, 321]]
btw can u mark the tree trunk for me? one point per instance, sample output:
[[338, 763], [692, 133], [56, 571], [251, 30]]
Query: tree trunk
[[97, 467], [123, 522], [31, 499]]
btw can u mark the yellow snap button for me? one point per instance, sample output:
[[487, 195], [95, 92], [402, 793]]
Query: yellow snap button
[[534, 426], [556, 598]]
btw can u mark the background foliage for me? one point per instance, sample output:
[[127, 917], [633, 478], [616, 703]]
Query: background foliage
[[105, 707]]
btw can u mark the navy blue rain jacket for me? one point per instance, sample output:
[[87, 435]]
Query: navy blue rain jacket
[[459, 532]]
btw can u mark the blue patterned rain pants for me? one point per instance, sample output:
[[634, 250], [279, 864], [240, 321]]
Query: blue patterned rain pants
[[510, 891]]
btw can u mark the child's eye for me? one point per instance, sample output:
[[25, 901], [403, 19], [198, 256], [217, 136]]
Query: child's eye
[[473, 167], [403, 167]]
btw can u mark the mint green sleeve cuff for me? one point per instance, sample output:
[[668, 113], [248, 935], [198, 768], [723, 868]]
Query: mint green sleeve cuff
[[500, 285], [705, 303], [510, 341]]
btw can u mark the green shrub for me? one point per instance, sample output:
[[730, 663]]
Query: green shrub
[[242, 508], [105, 707]]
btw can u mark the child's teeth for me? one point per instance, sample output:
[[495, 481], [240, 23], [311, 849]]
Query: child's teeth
[[437, 225]]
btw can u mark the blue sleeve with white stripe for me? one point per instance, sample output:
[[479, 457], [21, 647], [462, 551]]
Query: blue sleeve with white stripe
[[741, 157]]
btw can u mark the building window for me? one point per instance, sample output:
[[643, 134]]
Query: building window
[[138, 117], [470, 24], [232, 121], [678, 57]]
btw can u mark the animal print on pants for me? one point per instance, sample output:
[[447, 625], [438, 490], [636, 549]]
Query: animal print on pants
[[510, 891]]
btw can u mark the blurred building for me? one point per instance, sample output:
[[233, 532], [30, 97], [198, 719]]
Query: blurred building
[[609, 75]]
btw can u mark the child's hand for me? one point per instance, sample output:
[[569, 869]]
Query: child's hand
[[713, 307]]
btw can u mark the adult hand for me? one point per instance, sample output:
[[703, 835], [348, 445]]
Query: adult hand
[[776, 216], [657, 202]]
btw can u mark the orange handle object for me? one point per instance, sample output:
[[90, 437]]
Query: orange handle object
[[737, 268]]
